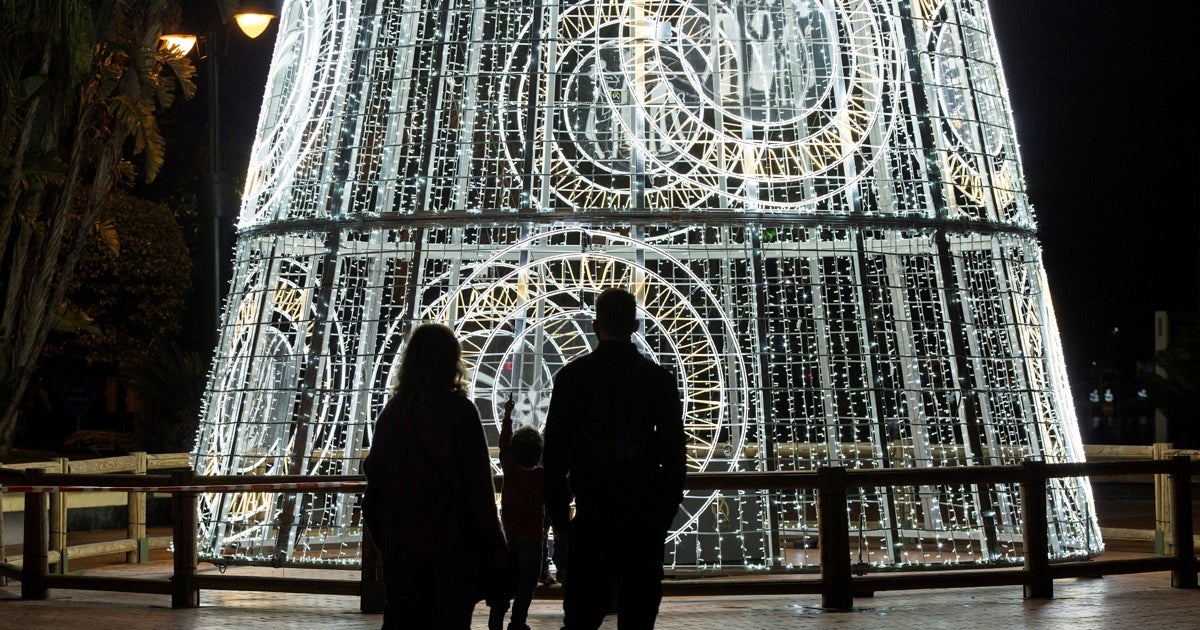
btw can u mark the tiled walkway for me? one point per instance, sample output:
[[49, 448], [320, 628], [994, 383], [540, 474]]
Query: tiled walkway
[[1138, 602]]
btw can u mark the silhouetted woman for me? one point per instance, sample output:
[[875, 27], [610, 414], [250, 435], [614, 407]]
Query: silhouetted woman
[[430, 503]]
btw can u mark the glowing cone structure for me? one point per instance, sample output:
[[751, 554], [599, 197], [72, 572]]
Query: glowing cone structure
[[819, 205]]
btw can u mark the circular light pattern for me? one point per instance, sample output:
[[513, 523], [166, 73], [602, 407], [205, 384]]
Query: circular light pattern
[[520, 323], [977, 161], [593, 163], [678, 101]]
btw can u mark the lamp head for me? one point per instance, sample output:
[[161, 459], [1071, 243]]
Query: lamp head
[[254, 16], [253, 24], [183, 41]]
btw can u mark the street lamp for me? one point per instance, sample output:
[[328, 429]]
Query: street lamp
[[183, 41], [253, 17]]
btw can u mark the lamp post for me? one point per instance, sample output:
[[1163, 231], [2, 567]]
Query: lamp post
[[212, 229], [253, 17]]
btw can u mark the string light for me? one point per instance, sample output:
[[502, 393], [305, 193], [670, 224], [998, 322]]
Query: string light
[[819, 206]]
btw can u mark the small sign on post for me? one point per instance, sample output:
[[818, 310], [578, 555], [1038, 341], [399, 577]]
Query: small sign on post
[[78, 395]]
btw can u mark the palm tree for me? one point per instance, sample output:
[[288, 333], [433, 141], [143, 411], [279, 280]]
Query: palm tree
[[80, 85]]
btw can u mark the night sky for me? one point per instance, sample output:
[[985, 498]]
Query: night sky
[[1100, 92], [1108, 135]]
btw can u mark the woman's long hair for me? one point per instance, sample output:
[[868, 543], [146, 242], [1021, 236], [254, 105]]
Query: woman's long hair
[[432, 365]]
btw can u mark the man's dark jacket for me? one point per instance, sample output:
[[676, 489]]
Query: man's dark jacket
[[614, 438]]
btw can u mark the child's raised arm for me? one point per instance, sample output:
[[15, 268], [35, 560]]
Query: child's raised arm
[[506, 429]]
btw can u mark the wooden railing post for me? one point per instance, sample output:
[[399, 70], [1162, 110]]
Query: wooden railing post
[[1162, 508], [3, 555], [1039, 584], [833, 530], [371, 596], [184, 593], [1184, 573], [35, 553], [136, 502], [58, 518]]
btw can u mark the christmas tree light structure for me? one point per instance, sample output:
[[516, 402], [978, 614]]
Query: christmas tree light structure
[[819, 205]]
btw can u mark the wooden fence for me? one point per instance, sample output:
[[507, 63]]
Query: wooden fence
[[136, 545], [837, 582]]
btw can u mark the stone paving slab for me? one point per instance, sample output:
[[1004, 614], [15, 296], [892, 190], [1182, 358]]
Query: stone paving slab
[[1137, 601]]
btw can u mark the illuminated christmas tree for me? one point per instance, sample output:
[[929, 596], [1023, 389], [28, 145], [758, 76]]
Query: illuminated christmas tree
[[818, 204]]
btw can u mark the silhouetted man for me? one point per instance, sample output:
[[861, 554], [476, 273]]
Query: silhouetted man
[[614, 441]]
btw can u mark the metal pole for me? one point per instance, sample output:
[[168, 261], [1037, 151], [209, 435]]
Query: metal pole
[[214, 182]]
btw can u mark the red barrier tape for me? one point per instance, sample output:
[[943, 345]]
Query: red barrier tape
[[250, 487]]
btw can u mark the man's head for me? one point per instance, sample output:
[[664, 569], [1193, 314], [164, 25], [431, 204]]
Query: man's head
[[616, 314]]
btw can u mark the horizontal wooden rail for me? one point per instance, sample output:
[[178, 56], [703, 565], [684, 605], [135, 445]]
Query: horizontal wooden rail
[[136, 464], [837, 583], [152, 586], [277, 585], [103, 548]]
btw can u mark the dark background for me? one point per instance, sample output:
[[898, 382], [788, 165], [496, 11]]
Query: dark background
[[1101, 94]]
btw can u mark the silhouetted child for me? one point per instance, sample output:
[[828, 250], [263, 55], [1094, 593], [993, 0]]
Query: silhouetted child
[[524, 515]]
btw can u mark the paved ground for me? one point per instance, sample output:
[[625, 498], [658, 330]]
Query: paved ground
[[1139, 602]]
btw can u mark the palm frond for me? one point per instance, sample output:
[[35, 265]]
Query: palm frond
[[169, 375], [156, 148], [40, 170], [106, 231], [126, 171], [164, 94], [128, 116], [72, 319], [183, 69]]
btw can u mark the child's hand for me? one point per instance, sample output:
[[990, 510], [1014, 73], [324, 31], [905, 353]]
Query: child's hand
[[508, 407]]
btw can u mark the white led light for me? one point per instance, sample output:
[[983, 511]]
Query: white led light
[[832, 251]]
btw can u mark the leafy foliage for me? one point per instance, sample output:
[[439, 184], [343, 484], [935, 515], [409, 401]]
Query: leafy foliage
[[135, 295], [170, 381], [80, 86]]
